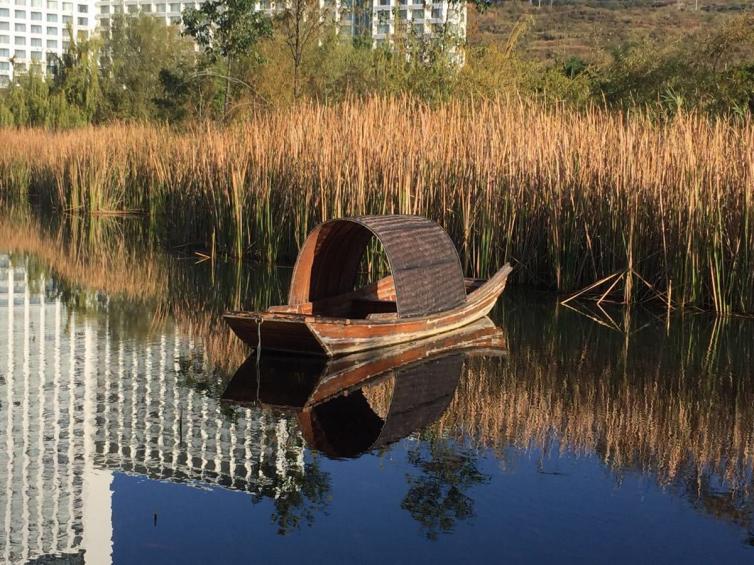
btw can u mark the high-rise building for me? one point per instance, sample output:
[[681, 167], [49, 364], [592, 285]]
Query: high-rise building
[[30, 30]]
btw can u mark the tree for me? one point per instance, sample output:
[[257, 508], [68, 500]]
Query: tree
[[436, 497], [76, 76], [137, 51], [228, 30], [301, 23]]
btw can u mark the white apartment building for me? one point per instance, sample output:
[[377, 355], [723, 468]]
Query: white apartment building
[[31, 29], [387, 17]]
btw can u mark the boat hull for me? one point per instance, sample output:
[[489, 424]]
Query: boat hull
[[317, 335]]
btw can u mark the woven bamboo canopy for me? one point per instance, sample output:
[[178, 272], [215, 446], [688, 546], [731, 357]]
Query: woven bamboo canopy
[[423, 261]]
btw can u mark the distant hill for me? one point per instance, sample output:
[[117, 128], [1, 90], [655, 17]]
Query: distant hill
[[587, 28]]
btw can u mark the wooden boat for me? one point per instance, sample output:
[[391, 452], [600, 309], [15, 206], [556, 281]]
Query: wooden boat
[[425, 295], [331, 398]]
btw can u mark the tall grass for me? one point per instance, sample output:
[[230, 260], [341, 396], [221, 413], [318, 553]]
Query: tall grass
[[572, 197]]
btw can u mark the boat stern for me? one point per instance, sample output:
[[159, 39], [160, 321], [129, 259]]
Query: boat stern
[[275, 332]]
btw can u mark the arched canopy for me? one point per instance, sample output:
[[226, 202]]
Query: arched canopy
[[423, 260]]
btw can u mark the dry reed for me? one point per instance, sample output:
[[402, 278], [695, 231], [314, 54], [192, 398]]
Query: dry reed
[[573, 197]]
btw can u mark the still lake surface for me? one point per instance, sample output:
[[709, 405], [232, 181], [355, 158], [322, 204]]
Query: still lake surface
[[596, 437]]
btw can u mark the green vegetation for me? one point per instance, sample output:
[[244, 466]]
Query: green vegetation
[[636, 164], [573, 197], [248, 63]]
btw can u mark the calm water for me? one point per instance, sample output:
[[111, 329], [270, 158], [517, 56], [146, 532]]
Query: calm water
[[596, 437]]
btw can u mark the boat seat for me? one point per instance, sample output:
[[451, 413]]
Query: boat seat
[[382, 316], [364, 307]]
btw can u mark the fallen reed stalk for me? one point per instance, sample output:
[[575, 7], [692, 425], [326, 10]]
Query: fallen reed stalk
[[572, 197]]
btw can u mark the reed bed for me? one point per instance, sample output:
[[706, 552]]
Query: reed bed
[[572, 197]]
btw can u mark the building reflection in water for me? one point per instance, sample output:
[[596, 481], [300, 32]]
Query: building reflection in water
[[77, 403]]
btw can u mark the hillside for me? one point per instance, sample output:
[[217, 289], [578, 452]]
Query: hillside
[[587, 28]]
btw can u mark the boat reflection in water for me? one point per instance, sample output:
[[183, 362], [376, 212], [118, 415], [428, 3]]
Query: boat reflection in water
[[349, 405]]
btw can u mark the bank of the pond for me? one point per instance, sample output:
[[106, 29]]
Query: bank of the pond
[[571, 197]]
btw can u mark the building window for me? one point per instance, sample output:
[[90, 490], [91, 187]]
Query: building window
[[437, 13], [4, 26], [20, 2], [383, 28], [19, 54], [52, 31], [52, 4], [175, 8], [36, 42], [68, 6], [20, 15], [104, 10], [52, 44], [83, 9], [133, 8], [4, 66], [418, 29], [4, 39], [417, 14], [4, 52], [52, 18], [67, 19], [4, 13], [36, 55], [160, 8], [36, 3], [20, 41], [20, 28], [384, 2], [175, 21], [146, 8], [36, 29], [83, 22], [36, 16]]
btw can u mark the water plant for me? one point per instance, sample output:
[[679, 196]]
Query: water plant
[[572, 197]]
